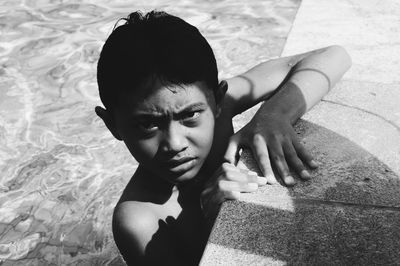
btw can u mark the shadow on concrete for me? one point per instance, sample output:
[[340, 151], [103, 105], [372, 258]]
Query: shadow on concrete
[[349, 213]]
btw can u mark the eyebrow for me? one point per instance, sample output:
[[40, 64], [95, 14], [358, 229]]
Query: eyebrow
[[144, 114]]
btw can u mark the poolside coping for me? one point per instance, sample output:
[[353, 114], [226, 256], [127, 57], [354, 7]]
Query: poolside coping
[[349, 212]]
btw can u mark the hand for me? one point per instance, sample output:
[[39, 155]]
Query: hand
[[271, 138], [226, 184]]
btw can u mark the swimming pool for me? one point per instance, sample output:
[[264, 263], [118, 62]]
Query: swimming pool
[[61, 170]]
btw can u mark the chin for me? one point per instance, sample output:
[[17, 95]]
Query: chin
[[185, 177]]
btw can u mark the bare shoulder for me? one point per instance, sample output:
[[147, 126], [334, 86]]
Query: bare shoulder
[[133, 215], [133, 224], [142, 234]]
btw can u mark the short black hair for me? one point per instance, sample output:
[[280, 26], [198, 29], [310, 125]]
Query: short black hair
[[156, 45]]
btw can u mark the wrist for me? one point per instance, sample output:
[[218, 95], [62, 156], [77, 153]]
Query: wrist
[[288, 103]]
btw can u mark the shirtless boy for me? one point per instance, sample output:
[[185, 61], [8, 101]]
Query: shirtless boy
[[157, 78]]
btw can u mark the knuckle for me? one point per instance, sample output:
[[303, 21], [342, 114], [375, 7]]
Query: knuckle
[[221, 185], [252, 178], [291, 153], [230, 175], [226, 166], [243, 177], [299, 147], [276, 137], [277, 157], [288, 137], [298, 143]]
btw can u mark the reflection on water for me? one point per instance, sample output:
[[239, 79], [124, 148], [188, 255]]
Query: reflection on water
[[61, 171]]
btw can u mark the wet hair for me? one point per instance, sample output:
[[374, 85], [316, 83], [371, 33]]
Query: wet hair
[[156, 45]]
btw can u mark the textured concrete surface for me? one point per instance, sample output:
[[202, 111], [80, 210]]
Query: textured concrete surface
[[313, 233], [348, 214]]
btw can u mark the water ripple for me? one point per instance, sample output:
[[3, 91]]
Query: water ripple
[[61, 171]]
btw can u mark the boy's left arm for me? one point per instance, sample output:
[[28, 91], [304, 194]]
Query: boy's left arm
[[290, 86]]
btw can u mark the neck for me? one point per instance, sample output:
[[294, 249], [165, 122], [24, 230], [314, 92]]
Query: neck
[[195, 186], [154, 186]]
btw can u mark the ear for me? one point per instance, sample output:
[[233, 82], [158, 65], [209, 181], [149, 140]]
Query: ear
[[219, 95], [108, 121]]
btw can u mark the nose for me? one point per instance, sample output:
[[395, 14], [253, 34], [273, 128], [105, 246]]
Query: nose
[[174, 140]]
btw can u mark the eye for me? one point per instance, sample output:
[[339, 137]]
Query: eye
[[191, 117], [194, 114], [147, 126]]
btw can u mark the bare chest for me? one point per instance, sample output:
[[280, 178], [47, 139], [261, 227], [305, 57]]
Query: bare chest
[[183, 226]]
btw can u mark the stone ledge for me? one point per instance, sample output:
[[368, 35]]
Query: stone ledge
[[348, 213], [310, 233]]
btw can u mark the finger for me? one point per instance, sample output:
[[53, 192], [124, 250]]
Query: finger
[[232, 152], [225, 185], [294, 161], [279, 161], [252, 177], [233, 173], [232, 195], [304, 155], [235, 176], [227, 168], [261, 155]]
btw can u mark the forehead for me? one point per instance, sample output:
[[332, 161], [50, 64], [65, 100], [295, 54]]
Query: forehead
[[159, 98]]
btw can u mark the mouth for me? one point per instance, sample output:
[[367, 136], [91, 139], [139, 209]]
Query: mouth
[[180, 165]]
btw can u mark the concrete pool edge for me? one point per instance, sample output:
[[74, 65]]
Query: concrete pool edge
[[349, 211]]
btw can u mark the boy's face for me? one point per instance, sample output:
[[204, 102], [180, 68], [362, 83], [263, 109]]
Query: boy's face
[[169, 130]]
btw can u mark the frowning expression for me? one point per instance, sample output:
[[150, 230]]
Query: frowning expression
[[169, 129]]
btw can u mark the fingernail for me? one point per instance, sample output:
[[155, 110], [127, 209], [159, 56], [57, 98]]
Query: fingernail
[[253, 186], [252, 173], [314, 164], [305, 174], [236, 194], [262, 180], [271, 179], [289, 180]]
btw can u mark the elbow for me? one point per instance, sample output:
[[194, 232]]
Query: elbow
[[342, 55]]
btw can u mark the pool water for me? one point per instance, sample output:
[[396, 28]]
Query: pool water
[[61, 171]]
